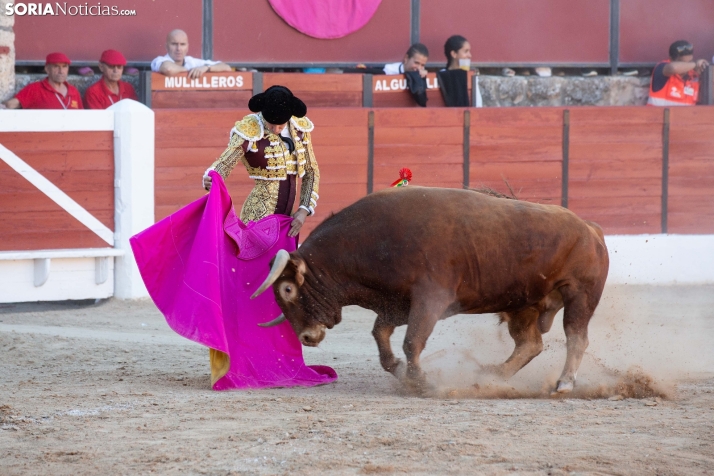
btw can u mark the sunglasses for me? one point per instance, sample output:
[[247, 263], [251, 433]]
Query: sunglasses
[[685, 50]]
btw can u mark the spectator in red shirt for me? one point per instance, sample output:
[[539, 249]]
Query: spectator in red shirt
[[110, 89], [53, 92]]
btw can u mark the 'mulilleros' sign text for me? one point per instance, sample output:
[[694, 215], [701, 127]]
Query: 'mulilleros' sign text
[[229, 81]]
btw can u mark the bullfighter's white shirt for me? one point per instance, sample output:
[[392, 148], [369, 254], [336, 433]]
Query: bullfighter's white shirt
[[189, 62]]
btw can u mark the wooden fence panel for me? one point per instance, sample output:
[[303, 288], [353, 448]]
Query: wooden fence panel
[[429, 142], [320, 90], [81, 164], [212, 90], [340, 142], [615, 158], [616, 168], [187, 143], [522, 147], [691, 170], [200, 99]]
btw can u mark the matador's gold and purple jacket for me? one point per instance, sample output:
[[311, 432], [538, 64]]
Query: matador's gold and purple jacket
[[273, 167]]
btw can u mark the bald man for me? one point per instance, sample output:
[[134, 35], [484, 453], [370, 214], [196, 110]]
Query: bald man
[[177, 61]]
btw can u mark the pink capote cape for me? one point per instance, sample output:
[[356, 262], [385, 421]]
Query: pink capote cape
[[194, 273]]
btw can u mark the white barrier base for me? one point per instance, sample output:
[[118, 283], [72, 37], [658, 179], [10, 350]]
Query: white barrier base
[[68, 279], [634, 259], [661, 259]]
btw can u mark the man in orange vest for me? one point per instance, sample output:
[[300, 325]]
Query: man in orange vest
[[675, 82]]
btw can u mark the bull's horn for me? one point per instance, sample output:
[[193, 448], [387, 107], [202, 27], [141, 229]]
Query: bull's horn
[[281, 318], [281, 260]]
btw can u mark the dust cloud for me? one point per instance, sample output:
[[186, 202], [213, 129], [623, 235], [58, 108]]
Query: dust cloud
[[640, 347]]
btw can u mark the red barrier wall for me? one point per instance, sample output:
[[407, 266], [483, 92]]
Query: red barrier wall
[[508, 31], [79, 163], [252, 32], [500, 31], [187, 142], [430, 143], [340, 144], [178, 92], [615, 158], [520, 147], [691, 170], [648, 27], [616, 167], [320, 90], [83, 38]]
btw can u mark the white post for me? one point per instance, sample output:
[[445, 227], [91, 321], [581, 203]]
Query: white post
[[7, 54], [133, 189]]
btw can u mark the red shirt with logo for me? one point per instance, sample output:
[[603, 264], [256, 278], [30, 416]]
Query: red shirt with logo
[[41, 95], [99, 96]]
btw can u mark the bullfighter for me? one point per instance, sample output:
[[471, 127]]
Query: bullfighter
[[274, 146], [202, 263]]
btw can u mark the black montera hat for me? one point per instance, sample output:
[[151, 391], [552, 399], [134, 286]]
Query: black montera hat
[[277, 104]]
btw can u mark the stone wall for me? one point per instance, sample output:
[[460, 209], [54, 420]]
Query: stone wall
[[564, 91], [495, 90], [7, 54], [79, 82]]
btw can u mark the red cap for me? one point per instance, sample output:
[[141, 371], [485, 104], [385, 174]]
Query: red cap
[[57, 58], [113, 57]]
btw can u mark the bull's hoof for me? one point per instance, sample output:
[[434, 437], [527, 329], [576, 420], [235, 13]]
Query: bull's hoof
[[419, 387], [400, 370], [498, 371], [564, 386]]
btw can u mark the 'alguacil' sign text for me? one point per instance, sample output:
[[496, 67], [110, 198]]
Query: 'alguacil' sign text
[[398, 82]]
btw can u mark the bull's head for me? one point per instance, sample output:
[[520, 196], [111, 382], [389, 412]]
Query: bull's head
[[295, 297]]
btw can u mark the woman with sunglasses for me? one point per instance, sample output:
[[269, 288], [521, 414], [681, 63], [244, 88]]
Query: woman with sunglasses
[[675, 82]]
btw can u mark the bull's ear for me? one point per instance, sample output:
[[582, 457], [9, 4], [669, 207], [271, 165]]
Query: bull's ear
[[300, 269]]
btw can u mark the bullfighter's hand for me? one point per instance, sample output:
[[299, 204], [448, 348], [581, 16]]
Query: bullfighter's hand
[[298, 221], [198, 72], [207, 182]]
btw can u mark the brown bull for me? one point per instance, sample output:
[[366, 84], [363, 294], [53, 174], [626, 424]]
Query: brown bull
[[415, 255]]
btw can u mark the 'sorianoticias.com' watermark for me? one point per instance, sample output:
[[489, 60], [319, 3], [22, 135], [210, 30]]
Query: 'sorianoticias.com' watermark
[[62, 8]]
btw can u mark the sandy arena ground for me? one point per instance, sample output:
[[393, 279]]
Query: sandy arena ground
[[108, 388]]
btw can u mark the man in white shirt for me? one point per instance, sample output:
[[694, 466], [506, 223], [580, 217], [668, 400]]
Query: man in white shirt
[[414, 60], [177, 60]]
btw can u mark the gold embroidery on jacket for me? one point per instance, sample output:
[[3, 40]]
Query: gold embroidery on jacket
[[303, 124], [311, 179], [261, 201], [280, 163], [230, 157], [250, 128]]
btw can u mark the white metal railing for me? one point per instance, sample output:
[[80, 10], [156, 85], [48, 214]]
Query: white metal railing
[[132, 125]]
